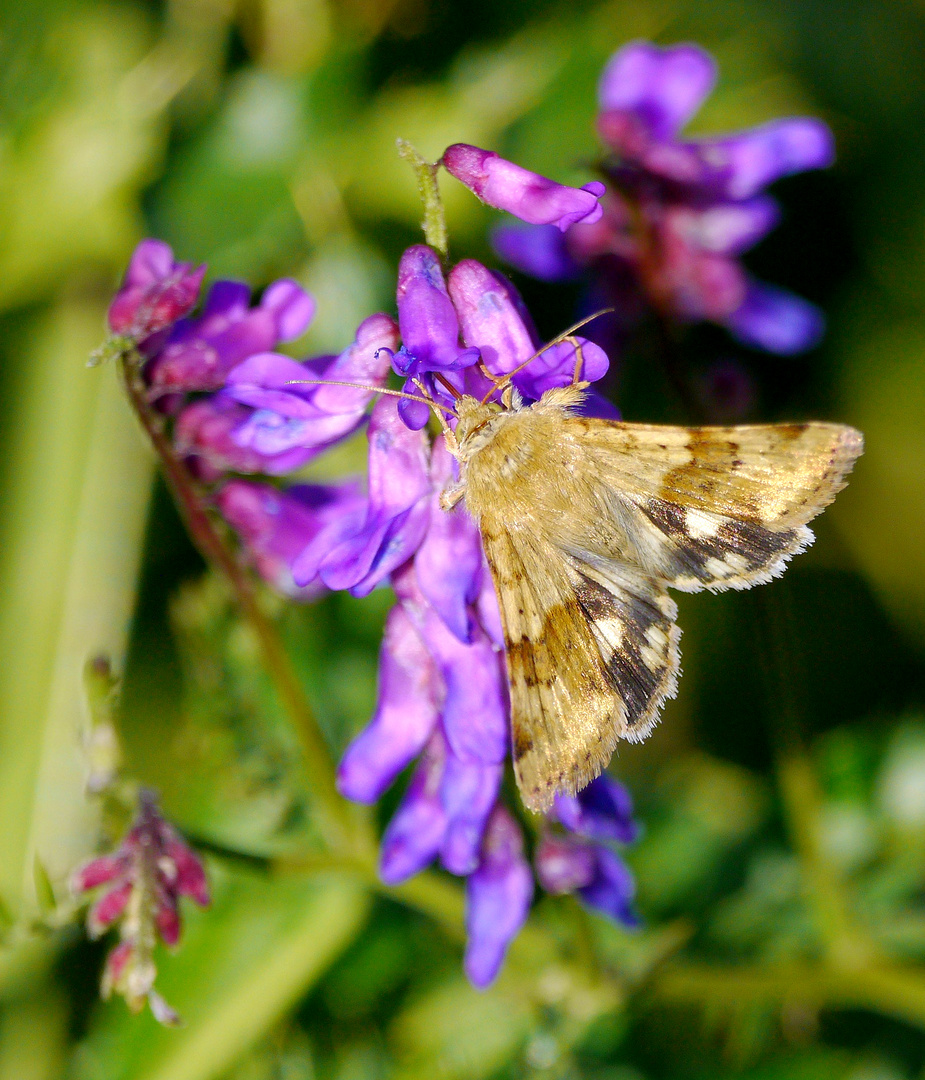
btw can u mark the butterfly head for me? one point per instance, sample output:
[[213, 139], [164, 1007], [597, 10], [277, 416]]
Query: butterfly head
[[475, 424]]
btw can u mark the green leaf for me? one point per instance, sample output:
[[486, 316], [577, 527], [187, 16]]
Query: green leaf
[[71, 527]]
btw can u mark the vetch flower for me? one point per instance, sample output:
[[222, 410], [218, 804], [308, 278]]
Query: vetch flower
[[270, 417], [141, 884], [398, 509], [581, 859], [498, 896], [442, 708], [292, 412], [497, 336], [200, 352], [157, 291], [527, 195], [678, 213], [300, 523]]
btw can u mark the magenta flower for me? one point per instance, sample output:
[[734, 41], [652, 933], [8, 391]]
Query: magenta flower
[[678, 213], [141, 884], [498, 896], [156, 292], [269, 419], [442, 710], [199, 353], [299, 524], [524, 194]]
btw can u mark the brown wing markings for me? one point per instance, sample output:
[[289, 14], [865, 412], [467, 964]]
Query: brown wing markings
[[733, 552], [712, 508], [643, 659], [782, 474], [563, 704]]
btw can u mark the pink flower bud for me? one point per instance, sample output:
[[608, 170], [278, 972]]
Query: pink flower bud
[[527, 195]]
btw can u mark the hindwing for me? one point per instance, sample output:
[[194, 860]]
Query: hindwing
[[592, 652]]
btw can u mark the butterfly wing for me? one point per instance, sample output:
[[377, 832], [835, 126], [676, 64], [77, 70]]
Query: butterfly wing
[[592, 652], [587, 522], [715, 507]]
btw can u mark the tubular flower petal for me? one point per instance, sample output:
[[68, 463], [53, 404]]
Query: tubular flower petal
[[526, 195], [498, 896], [288, 532], [410, 695], [678, 213], [200, 352], [142, 883]]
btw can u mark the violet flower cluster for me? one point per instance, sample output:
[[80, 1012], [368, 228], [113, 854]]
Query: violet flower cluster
[[678, 213], [239, 408], [675, 215]]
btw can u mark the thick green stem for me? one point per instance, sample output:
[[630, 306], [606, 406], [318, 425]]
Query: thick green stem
[[434, 219], [891, 991], [335, 818]]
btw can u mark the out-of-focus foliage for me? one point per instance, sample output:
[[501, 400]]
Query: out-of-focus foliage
[[782, 871]]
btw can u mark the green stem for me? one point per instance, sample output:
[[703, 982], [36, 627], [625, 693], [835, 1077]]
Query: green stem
[[892, 991], [336, 819], [846, 943], [434, 218], [426, 892]]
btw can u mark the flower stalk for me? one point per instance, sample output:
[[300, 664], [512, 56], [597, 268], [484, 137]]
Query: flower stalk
[[337, 821], [434, 223]]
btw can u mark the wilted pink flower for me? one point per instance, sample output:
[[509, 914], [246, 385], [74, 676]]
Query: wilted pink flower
[[156, 292], [141, 884]]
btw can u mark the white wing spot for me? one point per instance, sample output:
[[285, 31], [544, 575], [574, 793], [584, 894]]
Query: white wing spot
[[718, 568], [700, 526]]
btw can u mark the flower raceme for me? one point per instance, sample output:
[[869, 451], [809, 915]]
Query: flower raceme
[[665, 234], [677, 213], [237, 407]]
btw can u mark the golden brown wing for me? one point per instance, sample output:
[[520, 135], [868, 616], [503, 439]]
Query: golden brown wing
[[591, 655], [712, 507]]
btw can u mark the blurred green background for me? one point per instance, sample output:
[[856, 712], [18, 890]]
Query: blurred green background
[[782, 868]]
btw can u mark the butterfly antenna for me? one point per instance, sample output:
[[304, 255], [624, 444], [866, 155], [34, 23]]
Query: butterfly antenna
[[564, 336], [448, 432], [428, 401], [447, 385]]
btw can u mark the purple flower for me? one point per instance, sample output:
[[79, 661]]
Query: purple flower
[[141, 883], [601, 811], [678, 213], [156, 292], [496, 330], [442, 708], [291, 412], [408, 707], [398, 510], [524, 194], [498, 896], [443, 813], [565, 864], [580, 859], [269, 419], [428, 675], [299, 524], [200, 352], [207, 430]]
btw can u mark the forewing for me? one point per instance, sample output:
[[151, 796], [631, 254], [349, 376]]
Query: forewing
[[712, 507], [591, 654]]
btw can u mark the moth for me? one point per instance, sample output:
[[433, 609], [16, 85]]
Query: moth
[[587, 523]]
